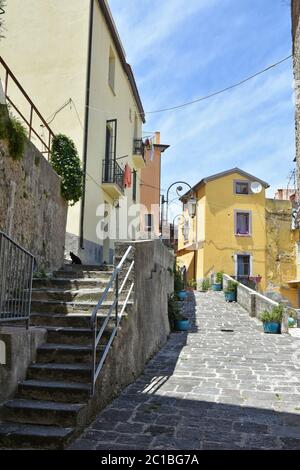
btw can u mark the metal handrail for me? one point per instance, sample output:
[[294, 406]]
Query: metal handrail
[[16, 273], [97, 335], [33, 109]]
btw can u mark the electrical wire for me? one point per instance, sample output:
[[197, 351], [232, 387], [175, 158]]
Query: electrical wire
[[204, 98], [188, 103]]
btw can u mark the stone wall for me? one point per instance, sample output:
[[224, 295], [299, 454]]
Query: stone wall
[[255, 303], [146, 328], [32, 210], [296, 61], [17, 350], [281, 244]]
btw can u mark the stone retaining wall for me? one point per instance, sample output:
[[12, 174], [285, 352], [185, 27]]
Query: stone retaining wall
[[18, 348], [146, 328], [255, 303], [32, 210]]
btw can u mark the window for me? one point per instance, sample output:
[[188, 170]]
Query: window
[[243, 223], [134, 186], [241, 187], [243, 266], [110, 151], [112, 69], [148, 222]]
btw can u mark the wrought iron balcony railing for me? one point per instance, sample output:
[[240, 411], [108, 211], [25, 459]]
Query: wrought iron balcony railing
[[112, 173], [139, 148]]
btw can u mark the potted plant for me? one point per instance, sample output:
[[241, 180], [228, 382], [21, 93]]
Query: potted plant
[[192, 284], [272, 320], [292, 318], [177, 321], [178, 284], [231, 291], [217, 284], [182, 323], [205, 285]]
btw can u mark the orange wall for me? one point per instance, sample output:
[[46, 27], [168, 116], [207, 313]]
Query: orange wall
[[150, 187]]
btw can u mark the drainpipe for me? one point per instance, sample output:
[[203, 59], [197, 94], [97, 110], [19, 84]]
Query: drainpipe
[[86, 122]]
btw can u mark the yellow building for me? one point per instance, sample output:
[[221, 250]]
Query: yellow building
[[69, 58], [229, 231], [239, 231]]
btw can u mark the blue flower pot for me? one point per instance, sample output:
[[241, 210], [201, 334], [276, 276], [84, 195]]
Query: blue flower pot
[[182, 325], [291, 322], [216, 287], [272, 327], [182, 295], [230, 296]]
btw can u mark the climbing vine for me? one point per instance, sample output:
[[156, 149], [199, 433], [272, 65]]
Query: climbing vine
[[13, 131], [66, 163]]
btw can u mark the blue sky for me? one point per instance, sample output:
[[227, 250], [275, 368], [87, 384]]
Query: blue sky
[[184, 49]]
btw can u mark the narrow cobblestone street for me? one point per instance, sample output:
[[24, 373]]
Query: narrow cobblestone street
[[209, 389]]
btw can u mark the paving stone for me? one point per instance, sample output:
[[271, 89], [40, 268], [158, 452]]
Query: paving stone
[[208, 389]]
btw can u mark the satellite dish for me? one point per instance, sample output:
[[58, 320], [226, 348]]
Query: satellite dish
[[256, 187]]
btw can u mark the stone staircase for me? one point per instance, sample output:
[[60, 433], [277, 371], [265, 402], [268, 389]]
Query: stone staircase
[[50, 406]]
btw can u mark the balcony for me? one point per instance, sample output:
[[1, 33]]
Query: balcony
[[112, 179], [138, 154]]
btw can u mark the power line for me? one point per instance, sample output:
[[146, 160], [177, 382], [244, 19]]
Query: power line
[[223, 90]]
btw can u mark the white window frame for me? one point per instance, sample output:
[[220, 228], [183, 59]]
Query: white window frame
[[241, 211], [236, 262]]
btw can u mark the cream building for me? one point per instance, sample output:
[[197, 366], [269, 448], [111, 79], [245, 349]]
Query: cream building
[[70, 52]]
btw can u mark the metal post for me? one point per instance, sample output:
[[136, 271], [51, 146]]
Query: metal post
[[117, 300], [94, 356], [30, 122]]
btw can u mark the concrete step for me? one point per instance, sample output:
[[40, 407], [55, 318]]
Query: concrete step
[[26, 436], [68, 283], [43, 412], [87, 267], [80, 319], [60, 371], [56, 306], [73, 335], [64, 353], [58, 391], [81, 295], [82, 274]]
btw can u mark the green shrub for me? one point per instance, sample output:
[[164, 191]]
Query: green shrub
[[231, 286], [14, 132], [219, 278], [192, 283], [274, 316], [178, 282], [205, 285], [174, 312], [66, 163]]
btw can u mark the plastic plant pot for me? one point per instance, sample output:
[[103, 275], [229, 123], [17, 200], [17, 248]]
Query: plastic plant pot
[[272, 327], [182, 295], [230, 296], [216, 287], [182, 325], [291, 322]]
